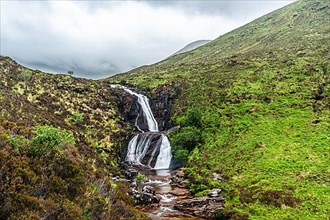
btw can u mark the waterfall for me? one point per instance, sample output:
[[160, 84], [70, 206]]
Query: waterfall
[[151, 149], [165, 154], [147, 113]]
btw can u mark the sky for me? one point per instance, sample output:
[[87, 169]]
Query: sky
[[97, 39]]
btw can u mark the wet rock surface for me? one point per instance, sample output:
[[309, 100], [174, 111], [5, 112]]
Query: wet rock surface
[[163, 98], [176, 202], [161, 104], [203, 207], [145, 196]]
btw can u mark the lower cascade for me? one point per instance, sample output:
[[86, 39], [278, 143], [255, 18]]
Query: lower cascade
[[152, 148]]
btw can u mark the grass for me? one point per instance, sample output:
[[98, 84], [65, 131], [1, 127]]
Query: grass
[[264, 94]]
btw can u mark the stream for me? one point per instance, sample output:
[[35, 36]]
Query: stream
[[162, 195], [149, 152], [169, 194]]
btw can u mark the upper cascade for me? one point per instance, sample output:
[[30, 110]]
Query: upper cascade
[[147, 113]]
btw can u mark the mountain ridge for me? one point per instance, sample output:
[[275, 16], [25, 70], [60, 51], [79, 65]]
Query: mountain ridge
[[192, 46]]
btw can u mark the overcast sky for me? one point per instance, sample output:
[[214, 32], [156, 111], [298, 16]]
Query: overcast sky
[[96, 39]]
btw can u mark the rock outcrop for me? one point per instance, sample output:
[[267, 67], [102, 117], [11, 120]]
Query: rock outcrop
[[162, 101]]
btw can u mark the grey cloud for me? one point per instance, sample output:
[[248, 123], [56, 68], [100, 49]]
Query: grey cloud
[[99, 38], [239, 9]]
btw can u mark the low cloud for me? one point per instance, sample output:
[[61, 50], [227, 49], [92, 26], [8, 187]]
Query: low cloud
[[99, 39]]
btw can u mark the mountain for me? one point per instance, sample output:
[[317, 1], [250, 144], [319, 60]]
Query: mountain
[[253, 107], [192, 46]]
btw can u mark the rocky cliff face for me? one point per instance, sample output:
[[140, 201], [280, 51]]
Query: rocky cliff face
[[161, 101]]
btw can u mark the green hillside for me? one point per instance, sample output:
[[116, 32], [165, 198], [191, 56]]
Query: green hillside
[[254, 105], [59, 141]]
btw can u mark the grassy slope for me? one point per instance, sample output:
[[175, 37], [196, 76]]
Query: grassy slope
[[264, 91], [65, 181]]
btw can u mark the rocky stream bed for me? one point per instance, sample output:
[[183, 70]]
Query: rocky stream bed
[[163, 195]]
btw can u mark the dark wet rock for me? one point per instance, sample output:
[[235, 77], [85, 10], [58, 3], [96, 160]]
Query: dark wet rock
[[150, 156], [176, 128], [130, 108], [214, 193], [147, 195], [160, 102], [132, 173], [175, 164], [203, 207], [179, 179], [149, 189], [163, 98]]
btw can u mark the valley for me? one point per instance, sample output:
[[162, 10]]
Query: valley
[[238, 128]]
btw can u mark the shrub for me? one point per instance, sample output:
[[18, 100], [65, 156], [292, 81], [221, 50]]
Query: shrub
[[187, 138], [75, 117], [193, 118], [140, 178], [181, 154], [49, 139]]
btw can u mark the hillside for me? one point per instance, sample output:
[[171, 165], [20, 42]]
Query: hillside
[[192, 46], [59, 141], [254, 105]]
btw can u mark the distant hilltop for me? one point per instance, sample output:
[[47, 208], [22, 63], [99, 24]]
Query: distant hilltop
[[192, 46]]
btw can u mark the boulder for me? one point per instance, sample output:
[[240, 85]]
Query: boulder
[[145, 196]]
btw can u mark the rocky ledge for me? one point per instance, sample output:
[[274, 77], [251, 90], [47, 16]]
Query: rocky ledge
[[203, 207]]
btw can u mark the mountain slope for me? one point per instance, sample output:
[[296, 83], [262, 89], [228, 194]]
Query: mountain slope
[[59, 143], [192, 46], [261, 98]]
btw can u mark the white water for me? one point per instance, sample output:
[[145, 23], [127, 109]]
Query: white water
[[164, 157], [147, 113], [139, 147]]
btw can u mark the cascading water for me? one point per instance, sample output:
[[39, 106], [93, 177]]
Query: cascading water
[[152, 148], [147, 113]]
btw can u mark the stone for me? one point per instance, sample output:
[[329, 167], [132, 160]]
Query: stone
[[145, 196], [214, 193], [217, 177], [180, 173], [180, 192], [149, 189], [203, 207]]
